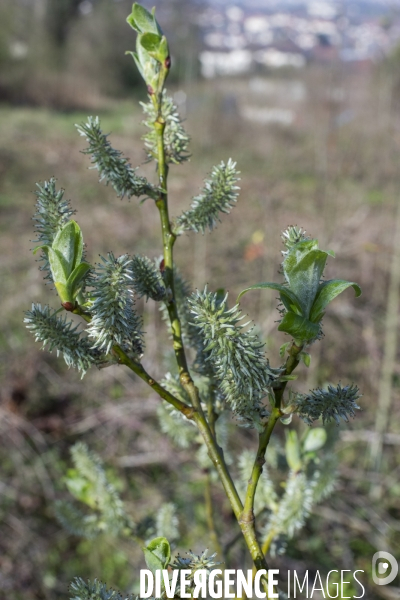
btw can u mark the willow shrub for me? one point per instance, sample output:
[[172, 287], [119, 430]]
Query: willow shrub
[[221, 363]]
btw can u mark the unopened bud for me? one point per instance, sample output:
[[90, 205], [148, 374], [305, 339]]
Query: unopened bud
[[68, 306]]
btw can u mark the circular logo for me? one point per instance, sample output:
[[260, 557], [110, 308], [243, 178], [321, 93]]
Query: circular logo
[[384, 567]]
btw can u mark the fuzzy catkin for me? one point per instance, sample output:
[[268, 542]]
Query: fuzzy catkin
[[146, 279], [219, 195], [111, 165], [330, 404], [239, 363], [176, 140], [114, 320], [95, 590], [56, 333]]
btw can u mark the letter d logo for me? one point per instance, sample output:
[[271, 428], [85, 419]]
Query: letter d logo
[[383, 567]]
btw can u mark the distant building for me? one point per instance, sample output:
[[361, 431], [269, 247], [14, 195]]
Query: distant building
[[225, 63], [238, 39]]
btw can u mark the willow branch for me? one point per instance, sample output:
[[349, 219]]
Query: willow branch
[[214, 451], [138, 368], [263, 441], [264, 437]]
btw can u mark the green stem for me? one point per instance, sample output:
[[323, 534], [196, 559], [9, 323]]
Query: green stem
[[247, 519], [211, 414], [291, 363], [138, 368], [186, 380], [169, 238], [215, 453], [263, 441], [265, 547]]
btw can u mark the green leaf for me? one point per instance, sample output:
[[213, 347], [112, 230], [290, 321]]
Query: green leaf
[[292, 450], [131, 21], [69, 244], [137, 62], [45, 249], [161, 548], [155, 45], [149, 67], [59, 267], [157, 554], [283, 348], [152, 561], [283, 291], [298, 327], [150, 42], [76, 277], [306, 358], [296, 253], [328, 290], [142, 20], [287, 378], [78, 244], [163, 49], [315, 439], [305, 277], [64, 292]]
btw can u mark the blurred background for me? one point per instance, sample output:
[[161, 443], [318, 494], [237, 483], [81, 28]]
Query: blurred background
[[305, 96]]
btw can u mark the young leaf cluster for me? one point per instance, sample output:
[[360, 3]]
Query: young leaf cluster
[[56, 333], [152, 54], [303, 295], [219, 195], [65, 257], [52, 213], [114, 320], [113, 168]]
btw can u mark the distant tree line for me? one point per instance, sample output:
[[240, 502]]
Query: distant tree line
[[50, 52]]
